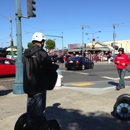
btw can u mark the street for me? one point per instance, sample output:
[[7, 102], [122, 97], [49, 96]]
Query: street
[[101, 76]]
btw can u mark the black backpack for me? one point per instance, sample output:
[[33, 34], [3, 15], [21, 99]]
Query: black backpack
[[32, 78], [31, 74]]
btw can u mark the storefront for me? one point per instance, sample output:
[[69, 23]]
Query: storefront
[[97, 48]]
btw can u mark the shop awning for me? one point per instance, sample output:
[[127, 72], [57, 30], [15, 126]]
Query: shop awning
[[99, 49], [74, 50], [90, 49]]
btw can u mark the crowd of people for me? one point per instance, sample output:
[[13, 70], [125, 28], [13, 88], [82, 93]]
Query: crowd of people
[[99, 56], [94, 56]]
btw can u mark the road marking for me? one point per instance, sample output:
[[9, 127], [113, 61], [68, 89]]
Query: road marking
[[109, 78], [126, 77], [75, 72], [82, 84], [105, 77]]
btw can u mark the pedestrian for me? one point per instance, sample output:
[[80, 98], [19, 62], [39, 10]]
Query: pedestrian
[[36, 82], [109, 57], [102, 56], [64, 58], [121, 61]]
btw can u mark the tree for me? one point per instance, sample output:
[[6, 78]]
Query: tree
[[30, 44], [16, 47], [50, 44]]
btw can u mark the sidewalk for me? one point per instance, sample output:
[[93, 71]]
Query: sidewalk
[[74, 109]]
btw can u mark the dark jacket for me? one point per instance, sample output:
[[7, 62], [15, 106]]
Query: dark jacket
[[36, 80]]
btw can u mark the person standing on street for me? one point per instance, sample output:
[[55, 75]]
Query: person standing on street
[[36, 81], [121, 61], [109, 57]]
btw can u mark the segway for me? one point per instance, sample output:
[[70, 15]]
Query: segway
[[48, 125], [121, 108]]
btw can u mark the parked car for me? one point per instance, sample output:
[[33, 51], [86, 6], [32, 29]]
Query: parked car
[[7, 67], [79, 63]]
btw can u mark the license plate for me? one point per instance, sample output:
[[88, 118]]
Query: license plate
[[71, 62]]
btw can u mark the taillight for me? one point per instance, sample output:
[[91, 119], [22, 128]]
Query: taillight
[[77, 62]]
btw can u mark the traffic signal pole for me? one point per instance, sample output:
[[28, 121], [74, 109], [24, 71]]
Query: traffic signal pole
[[114, 36], [18, 84]]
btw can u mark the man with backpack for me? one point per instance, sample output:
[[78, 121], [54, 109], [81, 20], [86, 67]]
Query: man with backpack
[[38, 70], [121, 61]]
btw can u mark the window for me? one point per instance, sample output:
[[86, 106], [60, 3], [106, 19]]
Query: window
[[1, 61], [87, 60], [12, 62]]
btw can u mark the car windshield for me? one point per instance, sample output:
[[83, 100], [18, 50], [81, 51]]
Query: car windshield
[[75, 58]]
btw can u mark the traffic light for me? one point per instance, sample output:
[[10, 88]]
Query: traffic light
[[116, 47], [93, 43], [31, 8], [11, 42]]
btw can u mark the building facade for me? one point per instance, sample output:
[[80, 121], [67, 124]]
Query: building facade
[[120, 43]]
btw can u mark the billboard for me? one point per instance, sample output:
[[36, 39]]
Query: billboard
[[74, 46]]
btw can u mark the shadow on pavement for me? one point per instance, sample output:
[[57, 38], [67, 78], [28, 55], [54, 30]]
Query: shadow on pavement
[[113, 83], [5, 92], [128, 70], [72, 119]]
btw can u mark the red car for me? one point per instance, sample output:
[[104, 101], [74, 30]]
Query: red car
[[7, 67]]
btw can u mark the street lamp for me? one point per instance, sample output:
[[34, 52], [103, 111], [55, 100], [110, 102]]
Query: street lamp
[[11, 39], [93, 36], [93, 33], [114, 36], [83, 39], [58, 37]]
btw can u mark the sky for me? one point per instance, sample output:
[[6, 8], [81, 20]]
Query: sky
[[56, 16]]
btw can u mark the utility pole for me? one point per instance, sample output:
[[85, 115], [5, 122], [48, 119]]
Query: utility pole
[[11, 39], [83, 40], [18, 84], [114, 36], [62, 44]]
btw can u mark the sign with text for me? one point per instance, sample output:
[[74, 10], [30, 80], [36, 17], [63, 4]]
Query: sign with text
[[74, 46]]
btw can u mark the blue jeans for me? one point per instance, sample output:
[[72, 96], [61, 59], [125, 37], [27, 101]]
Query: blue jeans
[[121, 76], [35, 107]]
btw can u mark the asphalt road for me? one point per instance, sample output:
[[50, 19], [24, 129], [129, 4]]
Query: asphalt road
[[101, 72]]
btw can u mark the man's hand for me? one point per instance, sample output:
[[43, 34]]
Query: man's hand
[[123, 64]]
